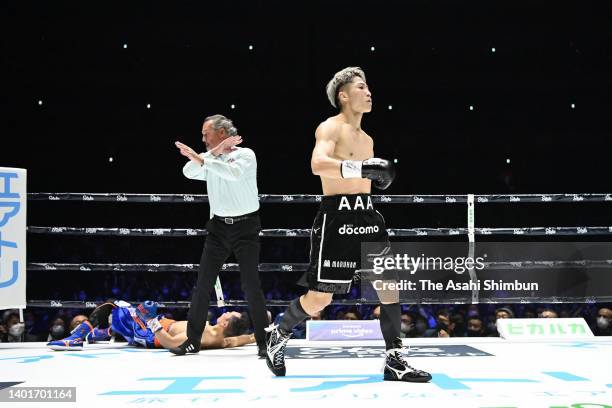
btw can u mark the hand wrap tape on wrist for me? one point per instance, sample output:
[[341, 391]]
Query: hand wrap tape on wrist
[[154, 325], [351, 168]]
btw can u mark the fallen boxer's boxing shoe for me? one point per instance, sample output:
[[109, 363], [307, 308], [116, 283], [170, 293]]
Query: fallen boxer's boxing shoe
[[98, 335], [75, 340]]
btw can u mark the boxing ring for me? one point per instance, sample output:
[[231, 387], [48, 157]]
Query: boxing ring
[[470, 372], [479, 372]]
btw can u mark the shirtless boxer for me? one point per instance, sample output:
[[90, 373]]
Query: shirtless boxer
[[142, 327], [343, 157]]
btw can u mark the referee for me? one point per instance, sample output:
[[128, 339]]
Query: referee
[[231, 176]]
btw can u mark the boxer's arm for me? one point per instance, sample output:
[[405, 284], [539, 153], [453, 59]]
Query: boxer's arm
[[238, 341], [322, 163], [169, 341]]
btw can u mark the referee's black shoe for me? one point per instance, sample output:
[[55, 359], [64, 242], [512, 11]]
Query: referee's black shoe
[[187, 347]]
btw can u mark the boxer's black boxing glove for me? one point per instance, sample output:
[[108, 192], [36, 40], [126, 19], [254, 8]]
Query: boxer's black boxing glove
[[380, 171]]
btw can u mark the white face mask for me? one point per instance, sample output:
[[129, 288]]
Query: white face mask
[[406, 328], [17, 329], [603, 323]]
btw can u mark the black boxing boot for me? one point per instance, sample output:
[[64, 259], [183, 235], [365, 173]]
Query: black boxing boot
[[397, 369], [276, 341]]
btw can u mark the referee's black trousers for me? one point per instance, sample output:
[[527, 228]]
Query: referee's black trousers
[[241, 238]]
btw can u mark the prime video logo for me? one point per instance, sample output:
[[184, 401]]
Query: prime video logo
[[404, 262]]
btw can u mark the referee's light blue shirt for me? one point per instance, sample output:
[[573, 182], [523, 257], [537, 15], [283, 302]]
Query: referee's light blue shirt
[[231, 181]]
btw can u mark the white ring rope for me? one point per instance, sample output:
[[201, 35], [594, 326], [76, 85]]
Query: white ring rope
[[305, 232], [287, 267], [316, 198]]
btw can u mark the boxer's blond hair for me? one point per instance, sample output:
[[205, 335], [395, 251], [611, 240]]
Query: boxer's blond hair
[[340, 79]]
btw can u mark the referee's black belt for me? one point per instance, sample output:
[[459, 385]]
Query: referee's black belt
[[232, 220]]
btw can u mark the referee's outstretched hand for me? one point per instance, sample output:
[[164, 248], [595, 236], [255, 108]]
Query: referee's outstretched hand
[[187, 151], [227, 145]]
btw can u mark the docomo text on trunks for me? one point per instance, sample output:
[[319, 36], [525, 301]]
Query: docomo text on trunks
[[349, 229], [404, 262]]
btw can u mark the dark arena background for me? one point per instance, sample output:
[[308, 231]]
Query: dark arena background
[[508, 98]]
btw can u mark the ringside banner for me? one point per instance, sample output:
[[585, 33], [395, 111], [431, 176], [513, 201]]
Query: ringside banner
[[13, 199], [343, 330], [544, 329]]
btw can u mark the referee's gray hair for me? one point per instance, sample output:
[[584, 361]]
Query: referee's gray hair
[[340, 79], [220, 121]]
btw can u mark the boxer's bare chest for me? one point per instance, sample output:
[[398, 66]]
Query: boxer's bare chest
[[353, 145]]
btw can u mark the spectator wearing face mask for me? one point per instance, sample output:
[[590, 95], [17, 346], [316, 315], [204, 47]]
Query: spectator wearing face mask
[[475, 327], [14, 328], [604, 322], [501, 313], [57, 330], [444, 325], [407, 327]]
